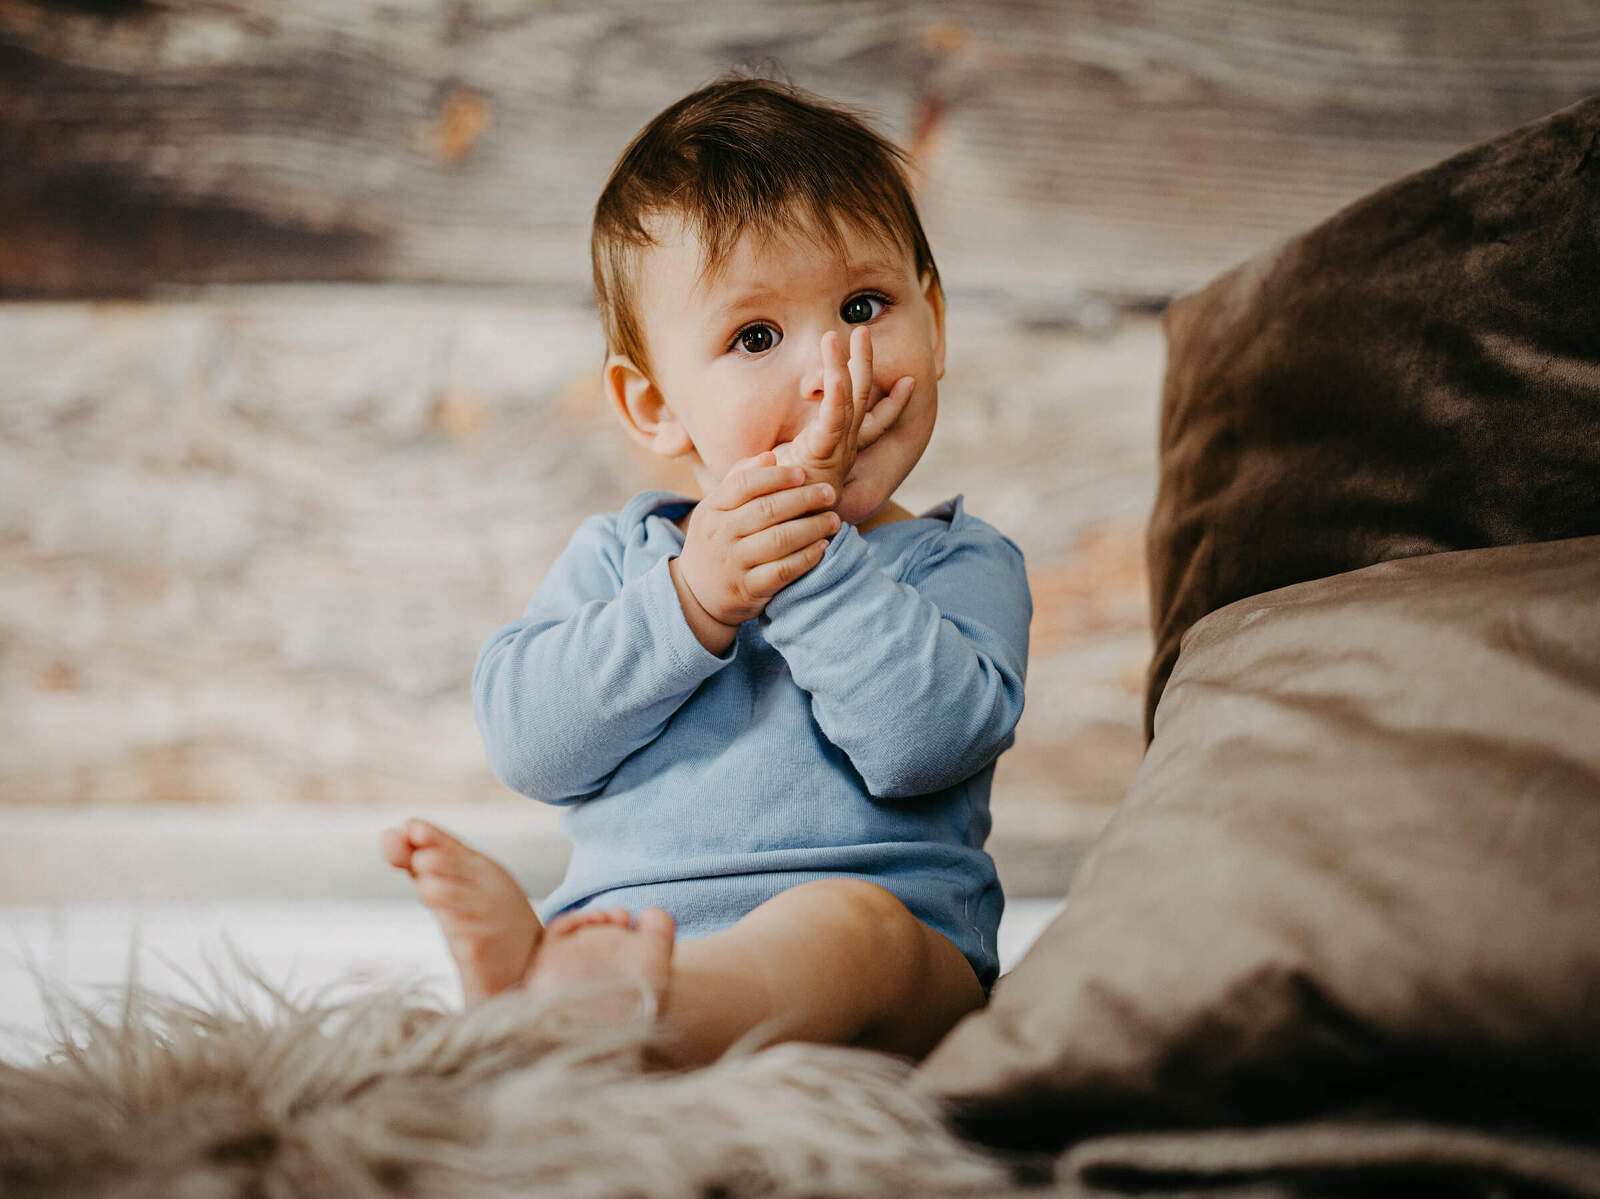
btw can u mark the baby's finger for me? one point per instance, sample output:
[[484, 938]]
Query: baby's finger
[[742, 486], [765, 458], [885, 412], [772, 577], [780, 541], [833, 418], [860, 367], [774, 507]]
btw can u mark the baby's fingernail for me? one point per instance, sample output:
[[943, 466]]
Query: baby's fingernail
[[825, 493]]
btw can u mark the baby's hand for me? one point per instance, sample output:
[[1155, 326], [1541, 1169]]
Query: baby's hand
[[885, 410], [850, 417], [758, 530]]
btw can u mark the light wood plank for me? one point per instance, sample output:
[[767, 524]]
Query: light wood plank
[[250, 545]]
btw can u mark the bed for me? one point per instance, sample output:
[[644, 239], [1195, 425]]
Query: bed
[[1341, 937]]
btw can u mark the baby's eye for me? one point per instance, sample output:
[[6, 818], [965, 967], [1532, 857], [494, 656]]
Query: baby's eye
[[857, 310], [757, 339]]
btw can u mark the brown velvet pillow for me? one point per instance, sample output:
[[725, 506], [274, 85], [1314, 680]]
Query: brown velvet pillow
[[1419, 373], [1358, 872]]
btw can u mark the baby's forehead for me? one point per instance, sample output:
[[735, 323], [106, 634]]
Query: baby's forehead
[[734, 260]]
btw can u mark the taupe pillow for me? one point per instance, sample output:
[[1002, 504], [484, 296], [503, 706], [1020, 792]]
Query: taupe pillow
[[1358, 871], [1419, 373]]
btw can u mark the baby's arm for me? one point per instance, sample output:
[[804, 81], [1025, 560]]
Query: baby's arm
[[596, 667], [593, 671], [919, 683]]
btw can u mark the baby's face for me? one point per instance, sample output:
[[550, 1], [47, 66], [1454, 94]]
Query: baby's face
[[738, 356]]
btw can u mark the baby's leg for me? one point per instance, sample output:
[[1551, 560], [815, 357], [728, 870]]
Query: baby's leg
[[840, 961], [486, 918]]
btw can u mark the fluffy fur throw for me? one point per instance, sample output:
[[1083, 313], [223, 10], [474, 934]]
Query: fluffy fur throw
[[381, 1094]]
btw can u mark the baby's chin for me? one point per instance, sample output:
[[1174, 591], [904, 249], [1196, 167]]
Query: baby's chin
[[859, 502], [878, 472], [868, 487]]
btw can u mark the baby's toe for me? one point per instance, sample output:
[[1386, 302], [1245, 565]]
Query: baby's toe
[[443, 894], [444, 863], [567, 922], [424, 833], [655, 923], [571, 922], [395, 848]]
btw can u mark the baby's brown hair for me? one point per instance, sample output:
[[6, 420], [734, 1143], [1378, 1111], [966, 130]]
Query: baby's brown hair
[[745, 154]]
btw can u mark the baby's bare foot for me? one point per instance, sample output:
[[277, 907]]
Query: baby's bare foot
[[487, 921], [607, 950]]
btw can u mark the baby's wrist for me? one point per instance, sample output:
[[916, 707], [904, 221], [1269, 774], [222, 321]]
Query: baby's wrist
[[715, 635]]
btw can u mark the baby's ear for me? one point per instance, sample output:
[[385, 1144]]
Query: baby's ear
[[643, 410], [934, 294]]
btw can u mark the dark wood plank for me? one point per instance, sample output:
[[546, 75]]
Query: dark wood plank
[[1130, 149]]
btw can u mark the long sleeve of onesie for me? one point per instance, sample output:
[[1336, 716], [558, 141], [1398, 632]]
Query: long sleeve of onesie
[[593, 671], [919, 683]]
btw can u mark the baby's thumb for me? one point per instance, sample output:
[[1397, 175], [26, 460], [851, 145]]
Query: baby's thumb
[[764, 458]]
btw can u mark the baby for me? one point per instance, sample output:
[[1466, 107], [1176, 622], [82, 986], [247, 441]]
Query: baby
[[772, 715]]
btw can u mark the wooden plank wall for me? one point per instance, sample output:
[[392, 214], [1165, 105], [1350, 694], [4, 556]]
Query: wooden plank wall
[[298, 386], [1130, 147]]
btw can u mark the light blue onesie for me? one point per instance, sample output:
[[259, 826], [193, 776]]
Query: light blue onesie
[[851, 729]]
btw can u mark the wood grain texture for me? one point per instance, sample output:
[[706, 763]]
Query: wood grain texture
[[250, 544], [251, 537], [1130, 148]]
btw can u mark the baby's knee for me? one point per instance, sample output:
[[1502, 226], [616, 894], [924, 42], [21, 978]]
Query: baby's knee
[[868, 918]]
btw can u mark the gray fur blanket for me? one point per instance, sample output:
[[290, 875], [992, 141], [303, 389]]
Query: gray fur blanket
[[380, 1094], [247, 1093]]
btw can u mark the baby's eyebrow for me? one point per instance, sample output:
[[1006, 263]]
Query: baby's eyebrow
[[866, 266], [744, 299], [756, 295], [875, 266]]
